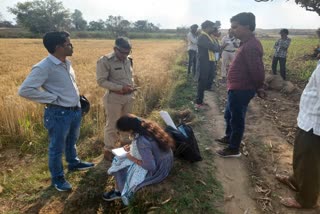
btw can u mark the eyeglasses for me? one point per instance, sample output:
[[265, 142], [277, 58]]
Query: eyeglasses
[[124, 52], [70, 45]]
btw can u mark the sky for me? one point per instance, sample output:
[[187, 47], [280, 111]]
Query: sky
[[178, 13]]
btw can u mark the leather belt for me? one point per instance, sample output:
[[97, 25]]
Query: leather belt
[[229, 51], [72, 108]]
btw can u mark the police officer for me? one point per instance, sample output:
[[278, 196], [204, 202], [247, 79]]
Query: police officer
[[114, 73]]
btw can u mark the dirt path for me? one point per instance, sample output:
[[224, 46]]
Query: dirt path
[[232, 173], [249, 182]]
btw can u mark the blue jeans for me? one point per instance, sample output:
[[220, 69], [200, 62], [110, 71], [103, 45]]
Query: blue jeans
[[235, 114], [63, 128]]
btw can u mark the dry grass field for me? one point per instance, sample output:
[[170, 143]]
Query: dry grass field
[[24, 176], [21, 120]]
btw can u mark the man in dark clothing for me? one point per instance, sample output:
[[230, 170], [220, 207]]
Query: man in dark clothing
[[245, 78], [206, 49]]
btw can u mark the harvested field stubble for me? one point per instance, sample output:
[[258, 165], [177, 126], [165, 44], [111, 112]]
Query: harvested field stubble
[[21, 119]]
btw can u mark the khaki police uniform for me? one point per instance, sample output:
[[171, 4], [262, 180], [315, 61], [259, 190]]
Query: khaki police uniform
[[113, 74]]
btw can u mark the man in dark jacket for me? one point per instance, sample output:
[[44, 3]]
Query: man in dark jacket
[[206, 49]]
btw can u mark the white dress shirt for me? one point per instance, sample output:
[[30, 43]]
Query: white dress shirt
[[192, 42], [309, 112]]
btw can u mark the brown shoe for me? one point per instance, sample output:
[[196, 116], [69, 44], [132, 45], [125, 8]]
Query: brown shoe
[[108, 155]]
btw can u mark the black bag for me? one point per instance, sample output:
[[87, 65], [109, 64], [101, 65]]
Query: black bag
[[186, 143], [85, 105]]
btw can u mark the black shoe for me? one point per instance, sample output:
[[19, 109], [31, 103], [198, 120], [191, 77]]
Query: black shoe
[[223, 141], [228, 153], [112, 195]]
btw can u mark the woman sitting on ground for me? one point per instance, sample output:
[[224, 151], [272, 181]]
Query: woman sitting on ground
[[148, 161]]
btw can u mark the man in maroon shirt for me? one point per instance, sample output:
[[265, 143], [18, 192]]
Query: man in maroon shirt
[[245, 78]]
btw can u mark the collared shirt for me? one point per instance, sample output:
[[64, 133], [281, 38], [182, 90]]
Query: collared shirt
[[247, 70], [51, 81], [309, 110], [281, 47], [112, 73], [229, 42], [192, 42]]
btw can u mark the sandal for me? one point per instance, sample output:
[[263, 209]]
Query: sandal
[[286, 181], [290, 203]]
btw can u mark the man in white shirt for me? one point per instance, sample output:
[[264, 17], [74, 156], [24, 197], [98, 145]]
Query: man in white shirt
[[192, 48], [305, 179], [229, 45]]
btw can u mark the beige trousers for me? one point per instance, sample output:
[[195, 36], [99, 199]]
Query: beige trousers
[[227, 58], [115, 106]]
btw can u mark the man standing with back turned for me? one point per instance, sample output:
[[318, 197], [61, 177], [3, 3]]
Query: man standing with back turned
[[245, 78], [52, 82], [115, 73]]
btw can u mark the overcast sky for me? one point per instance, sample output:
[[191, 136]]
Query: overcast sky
[[177, 13]]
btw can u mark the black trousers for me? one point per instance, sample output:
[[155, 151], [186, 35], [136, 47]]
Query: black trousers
[[282, 62], [204, 74], [212, 74], [306, 168], [192, 61]]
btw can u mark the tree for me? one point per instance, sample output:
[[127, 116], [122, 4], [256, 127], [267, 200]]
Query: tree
[[40, 16], [145, 26], [141, 25], [96, 25], [6, 24], [77, 21], [310, 5], [118, 26]]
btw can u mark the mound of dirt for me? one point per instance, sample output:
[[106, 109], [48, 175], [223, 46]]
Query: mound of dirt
[[275, 82], [288, 87]]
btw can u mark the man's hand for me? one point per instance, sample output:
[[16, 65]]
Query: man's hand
[[261, 93], [126, 89]]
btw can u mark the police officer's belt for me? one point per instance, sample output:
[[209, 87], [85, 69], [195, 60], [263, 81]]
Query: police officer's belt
[[229, 51]]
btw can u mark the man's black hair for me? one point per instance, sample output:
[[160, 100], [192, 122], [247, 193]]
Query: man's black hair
[[194, 26], [245, 19], [207, 24], [285, 31], [123, 42], [52, 39]]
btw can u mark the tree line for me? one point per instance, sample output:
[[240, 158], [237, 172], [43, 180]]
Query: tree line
[[40, 16]]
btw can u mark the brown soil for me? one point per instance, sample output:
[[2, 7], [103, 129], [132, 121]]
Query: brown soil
[[249, 182]]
